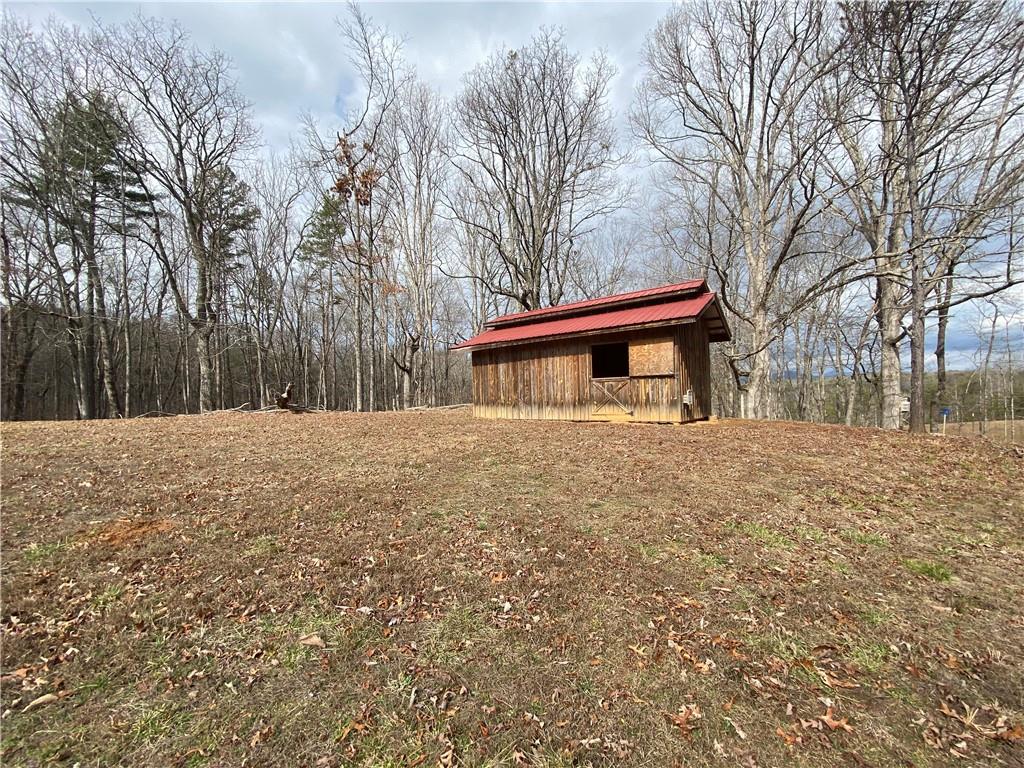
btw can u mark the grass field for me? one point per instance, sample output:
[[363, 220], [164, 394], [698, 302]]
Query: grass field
[[426, 589]]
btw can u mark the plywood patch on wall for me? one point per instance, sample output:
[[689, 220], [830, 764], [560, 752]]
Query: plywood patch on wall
[[653, 357]]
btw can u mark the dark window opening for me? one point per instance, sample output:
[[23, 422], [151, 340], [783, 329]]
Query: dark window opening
[[609, 361]]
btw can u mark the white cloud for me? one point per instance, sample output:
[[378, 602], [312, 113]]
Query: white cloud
[[291, 58], [293, 49]]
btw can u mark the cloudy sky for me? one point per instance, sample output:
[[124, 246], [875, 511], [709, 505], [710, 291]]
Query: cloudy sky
[[291, 59]]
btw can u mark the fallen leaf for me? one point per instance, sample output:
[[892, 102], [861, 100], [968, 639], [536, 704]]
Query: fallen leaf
[[260, 735], [834, 724], [355, 725], [791, 739], [312, 640], [684, 719], [639, 650], [1013, 734], [739, 731]]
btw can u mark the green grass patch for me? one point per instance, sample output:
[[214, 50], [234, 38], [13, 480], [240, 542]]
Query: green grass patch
[[585, 686], [709, 561], [454, 634], [745, 599], [933, 570], [870, 656], [764, 535], [811, 533], [864, 537], [874, 617], [807, 677], [650, 553], [95, 685], [903, 695], [158, 722], [261, 546], [35, 553], [785, 646], [110, 595]]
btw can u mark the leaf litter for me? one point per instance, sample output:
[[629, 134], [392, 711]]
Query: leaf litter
[[431, 589]]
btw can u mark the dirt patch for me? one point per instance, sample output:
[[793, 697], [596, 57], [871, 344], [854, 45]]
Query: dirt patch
[[128, 531]]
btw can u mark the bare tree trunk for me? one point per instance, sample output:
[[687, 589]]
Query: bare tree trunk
[[917, 404], [890, 391], [127, 307], [851, 400], [373, 337], [945, 294], [87, 355], [202, 335], [986, 379], [107, 369], [917, 286], [359, 338]]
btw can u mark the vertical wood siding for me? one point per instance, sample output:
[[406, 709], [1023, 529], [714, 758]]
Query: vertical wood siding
[[552, 380], [695, 369]]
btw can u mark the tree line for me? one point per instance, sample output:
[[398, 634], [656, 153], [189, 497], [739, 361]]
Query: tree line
[[845, 176]]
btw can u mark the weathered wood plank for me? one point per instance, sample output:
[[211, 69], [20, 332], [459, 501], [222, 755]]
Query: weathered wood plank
[[553, 380]]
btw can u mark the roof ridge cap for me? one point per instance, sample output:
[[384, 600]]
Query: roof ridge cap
[[601, 303]]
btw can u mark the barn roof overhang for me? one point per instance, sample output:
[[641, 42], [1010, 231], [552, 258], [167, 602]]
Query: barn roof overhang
[[661, 293], [675, 304]]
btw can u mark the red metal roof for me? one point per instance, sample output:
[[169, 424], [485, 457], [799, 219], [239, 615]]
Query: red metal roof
[[673, 309], [687, 286]]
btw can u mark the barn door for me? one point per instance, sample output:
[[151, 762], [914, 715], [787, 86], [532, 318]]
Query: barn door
[[654, 395], [610, 398]]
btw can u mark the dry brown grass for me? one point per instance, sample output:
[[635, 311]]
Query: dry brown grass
[[426, 589], [997, 431]]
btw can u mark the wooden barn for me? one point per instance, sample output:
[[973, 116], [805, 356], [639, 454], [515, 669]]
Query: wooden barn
[[639, 356]]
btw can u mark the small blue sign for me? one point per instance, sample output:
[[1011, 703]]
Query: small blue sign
[[946, 412]]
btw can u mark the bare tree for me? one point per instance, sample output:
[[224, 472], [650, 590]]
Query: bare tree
[[933, 143], [418, 141], [266, 268], [356, 164], [65, 137], [536, 158], [189, 125], [22, 279], [733, 103]]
